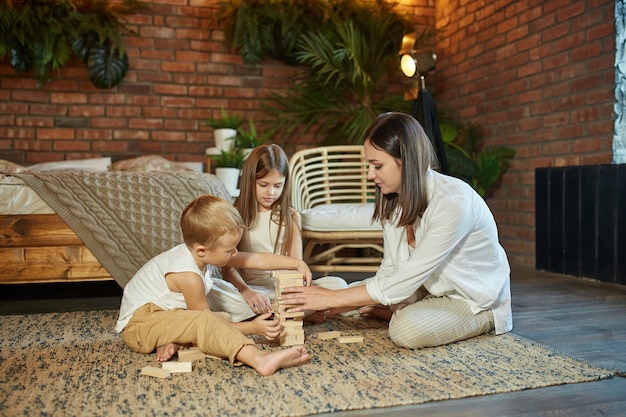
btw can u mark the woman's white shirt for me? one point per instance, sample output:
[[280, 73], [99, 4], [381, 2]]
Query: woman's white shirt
[[457, 253]]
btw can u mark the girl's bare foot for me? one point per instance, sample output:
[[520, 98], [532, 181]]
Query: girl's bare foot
[[317, 316], [165, 352], [376, 312], [266, 363]]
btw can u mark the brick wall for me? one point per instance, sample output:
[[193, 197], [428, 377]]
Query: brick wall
[[538, 76], [180, 73]]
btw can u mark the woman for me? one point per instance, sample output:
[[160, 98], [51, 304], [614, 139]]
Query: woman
[[444, 276]]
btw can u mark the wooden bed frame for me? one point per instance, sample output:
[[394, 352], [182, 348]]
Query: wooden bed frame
[[37, 248]]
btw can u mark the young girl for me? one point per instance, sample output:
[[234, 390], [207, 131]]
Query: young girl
[[274, 227]]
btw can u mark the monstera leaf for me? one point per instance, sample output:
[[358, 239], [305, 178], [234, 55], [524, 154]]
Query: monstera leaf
[[107, 67], [21, 59], [83, 44]]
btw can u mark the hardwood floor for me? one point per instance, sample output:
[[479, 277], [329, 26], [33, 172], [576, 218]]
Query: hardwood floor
[[583, 318]]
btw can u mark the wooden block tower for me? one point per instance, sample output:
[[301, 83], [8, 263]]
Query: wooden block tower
[[293, 333]]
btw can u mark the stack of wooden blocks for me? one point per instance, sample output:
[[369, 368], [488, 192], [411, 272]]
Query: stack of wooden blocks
[[293, 333]]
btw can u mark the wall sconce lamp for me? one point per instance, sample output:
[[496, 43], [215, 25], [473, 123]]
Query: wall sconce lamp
[[415, 64]]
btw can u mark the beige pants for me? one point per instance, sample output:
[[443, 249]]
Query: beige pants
[[150, 327], [435, 321]]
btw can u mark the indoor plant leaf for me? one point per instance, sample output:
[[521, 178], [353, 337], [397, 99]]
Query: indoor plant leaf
[[106, 67]]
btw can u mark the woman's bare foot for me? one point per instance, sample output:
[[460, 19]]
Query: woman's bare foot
[[266, 363], [376, 312], [164, 353]]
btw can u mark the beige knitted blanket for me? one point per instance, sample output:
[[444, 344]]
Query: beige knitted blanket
[[124, 218]]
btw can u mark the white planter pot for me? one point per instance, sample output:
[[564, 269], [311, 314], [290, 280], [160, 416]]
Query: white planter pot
[[230, 178], [224, 138], [246, 152]]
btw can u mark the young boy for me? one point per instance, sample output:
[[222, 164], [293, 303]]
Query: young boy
[[164, 305]]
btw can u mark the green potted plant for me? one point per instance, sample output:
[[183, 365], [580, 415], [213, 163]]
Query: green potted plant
[[228, 163], [224, 128], [480, 166], [248, 139]]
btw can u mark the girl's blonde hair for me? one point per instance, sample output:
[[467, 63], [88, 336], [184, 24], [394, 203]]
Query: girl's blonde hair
[[260, 162], [207, 218], [401, 136]]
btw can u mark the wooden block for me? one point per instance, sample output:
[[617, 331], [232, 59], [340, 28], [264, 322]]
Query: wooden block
[[292, 282], [350, 339], [291, 340], [287, 279], [282, 308], [156, 372], [287, 316], [294, 332], [296, 323], [328, 335], [287, 275], [173, 366], [191, 354]]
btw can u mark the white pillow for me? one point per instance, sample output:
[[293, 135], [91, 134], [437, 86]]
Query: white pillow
[[91, 165], [337, 217]]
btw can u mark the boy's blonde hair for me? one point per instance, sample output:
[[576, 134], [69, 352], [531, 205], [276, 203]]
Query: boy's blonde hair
[[207, 218]]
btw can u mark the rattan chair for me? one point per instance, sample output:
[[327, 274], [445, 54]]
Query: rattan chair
[[330, 191]]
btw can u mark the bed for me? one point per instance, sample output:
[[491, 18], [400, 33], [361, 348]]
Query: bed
[[92, 220]]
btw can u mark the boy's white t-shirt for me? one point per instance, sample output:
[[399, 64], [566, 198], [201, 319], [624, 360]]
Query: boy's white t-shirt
[[148, 285]]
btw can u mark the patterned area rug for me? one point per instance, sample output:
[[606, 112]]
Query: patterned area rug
[[74, 364]]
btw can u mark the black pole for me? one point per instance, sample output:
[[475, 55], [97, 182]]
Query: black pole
[[424, 105]]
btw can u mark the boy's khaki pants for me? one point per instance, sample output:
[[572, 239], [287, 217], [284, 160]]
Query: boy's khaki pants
[[151, 327]]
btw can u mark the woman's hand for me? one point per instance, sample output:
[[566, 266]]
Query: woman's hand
[[258, 303], [307, 298], [321, 299], [266, 327]]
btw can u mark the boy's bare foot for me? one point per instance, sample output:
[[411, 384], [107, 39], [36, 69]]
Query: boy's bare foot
[[376, 312], [164, 353], [266, 363]]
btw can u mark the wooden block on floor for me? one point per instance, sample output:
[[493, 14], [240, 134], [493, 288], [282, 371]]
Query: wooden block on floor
[[329, 335], [156, 372], [350, 339], [190, 354], [179, 366]]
